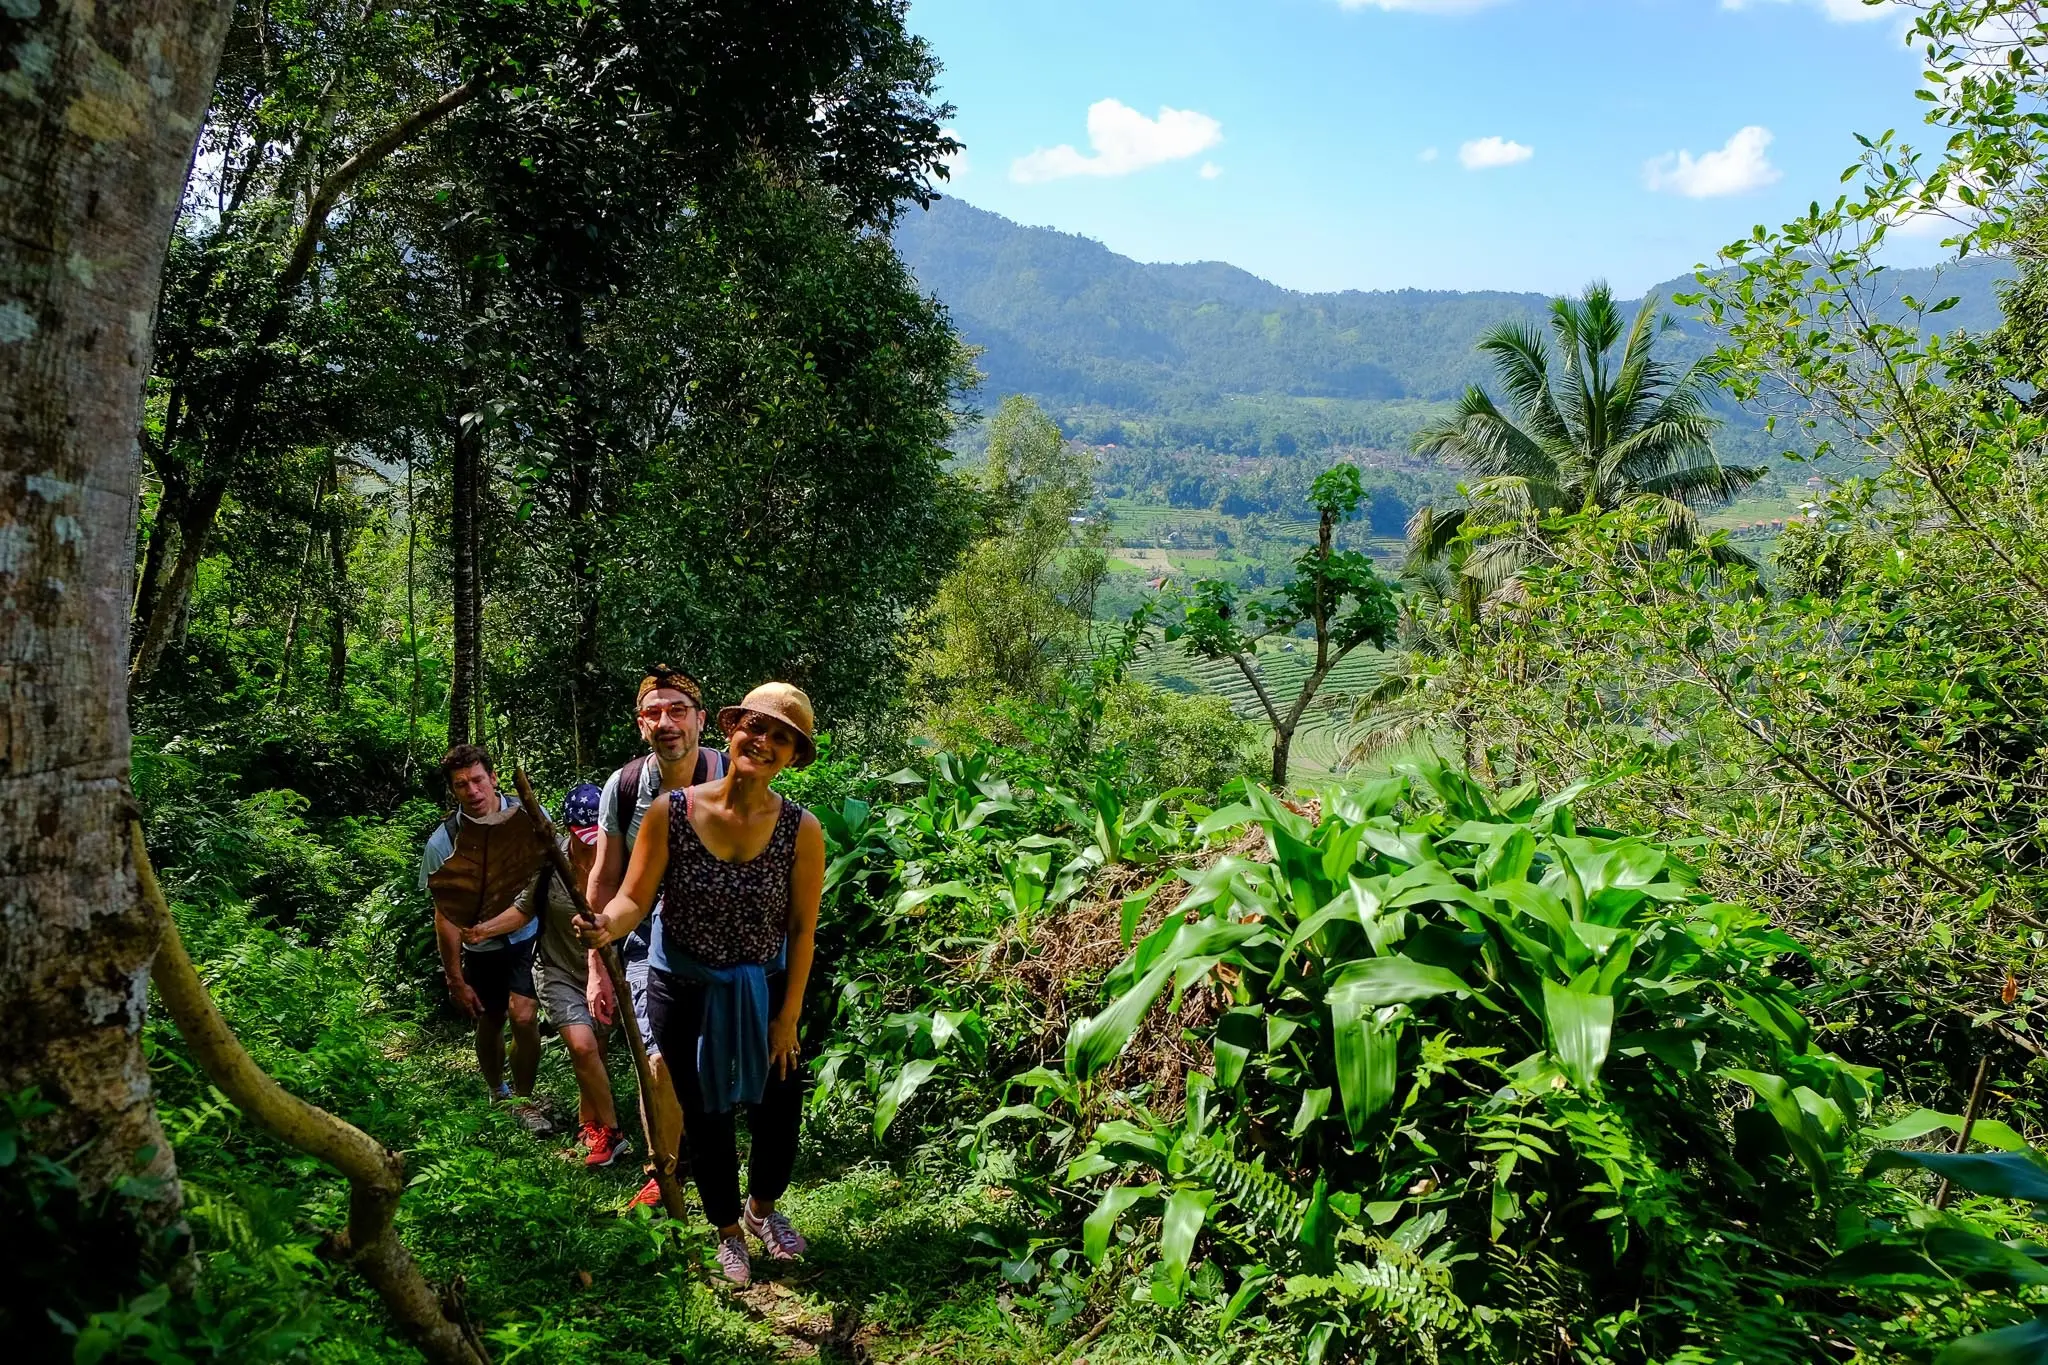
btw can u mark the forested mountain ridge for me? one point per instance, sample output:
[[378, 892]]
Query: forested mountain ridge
[[1096, 336]]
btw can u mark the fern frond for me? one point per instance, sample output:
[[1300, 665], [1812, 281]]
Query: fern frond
[[1397, 1290], [1268, 1203]]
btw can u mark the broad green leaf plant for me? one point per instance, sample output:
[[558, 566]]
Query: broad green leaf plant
[[1463, 1045]]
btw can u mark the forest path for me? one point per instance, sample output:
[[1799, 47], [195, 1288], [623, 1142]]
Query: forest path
[[902, 1265], [893, 1276], [887, 1279]]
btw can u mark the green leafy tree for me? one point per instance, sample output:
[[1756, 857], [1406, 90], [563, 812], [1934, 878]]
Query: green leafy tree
[[1017, 609], [1614, 426], [508, 171], [786, 519], [1334, 593]]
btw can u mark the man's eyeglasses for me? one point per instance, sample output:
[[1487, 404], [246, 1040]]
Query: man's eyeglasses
[[678, 710]]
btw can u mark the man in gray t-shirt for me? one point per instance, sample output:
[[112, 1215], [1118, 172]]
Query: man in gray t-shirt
[[670, 710]]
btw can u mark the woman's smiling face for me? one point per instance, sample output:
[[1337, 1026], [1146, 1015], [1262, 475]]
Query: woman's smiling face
[[761, 745]]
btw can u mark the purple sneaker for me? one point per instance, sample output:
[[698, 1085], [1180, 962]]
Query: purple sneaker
[[781, 1241], [734, 1263]]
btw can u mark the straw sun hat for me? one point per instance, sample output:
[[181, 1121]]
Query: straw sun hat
[[778, 701]]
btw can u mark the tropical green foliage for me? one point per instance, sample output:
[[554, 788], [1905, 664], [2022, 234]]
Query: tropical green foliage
[[1460, 1051], [1616, 426], [1570, 1051], [517, 305]]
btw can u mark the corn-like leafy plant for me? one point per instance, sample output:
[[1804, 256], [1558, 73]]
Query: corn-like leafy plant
[[1936, 1261], [1464, 1040]]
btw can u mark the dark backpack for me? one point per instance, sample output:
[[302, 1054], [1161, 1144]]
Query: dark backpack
[[710, 764]]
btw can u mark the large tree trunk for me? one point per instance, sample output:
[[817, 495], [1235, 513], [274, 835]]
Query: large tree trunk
[[97, 136]]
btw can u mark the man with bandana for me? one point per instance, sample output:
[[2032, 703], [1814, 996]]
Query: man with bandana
[[670, 713]]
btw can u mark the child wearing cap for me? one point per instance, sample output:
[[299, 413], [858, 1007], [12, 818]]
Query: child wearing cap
[[565, 968]]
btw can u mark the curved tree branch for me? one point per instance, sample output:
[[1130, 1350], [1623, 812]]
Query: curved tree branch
[[366, 159], [376, 1174]]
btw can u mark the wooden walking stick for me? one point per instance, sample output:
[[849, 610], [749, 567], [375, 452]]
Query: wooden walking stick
[[1970, 1114], [608, 957]]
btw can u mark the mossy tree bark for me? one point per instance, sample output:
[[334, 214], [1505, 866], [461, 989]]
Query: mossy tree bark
[[100, 106]]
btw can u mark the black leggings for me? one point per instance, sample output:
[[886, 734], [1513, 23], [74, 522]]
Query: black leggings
[[676, 1010]]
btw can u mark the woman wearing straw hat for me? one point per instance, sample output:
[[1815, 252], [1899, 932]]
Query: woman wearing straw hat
[[738, 871]]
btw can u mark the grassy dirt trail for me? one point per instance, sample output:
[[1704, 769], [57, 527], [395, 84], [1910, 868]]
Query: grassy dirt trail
[[549, 1269], [889, 1276]]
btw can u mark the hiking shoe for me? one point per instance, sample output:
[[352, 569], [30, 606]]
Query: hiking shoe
[[781, 1241], [650, 1195], [603, 1146], [503, 1092], [734, 1263], [534, 1119]]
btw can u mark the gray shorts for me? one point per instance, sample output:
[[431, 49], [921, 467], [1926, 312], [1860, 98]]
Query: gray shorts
[[636, 980], [562, 994]]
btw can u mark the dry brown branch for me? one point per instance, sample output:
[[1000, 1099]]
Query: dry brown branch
[[376, 1174]]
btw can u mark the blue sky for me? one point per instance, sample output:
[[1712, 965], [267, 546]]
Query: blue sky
[[1379, 144]]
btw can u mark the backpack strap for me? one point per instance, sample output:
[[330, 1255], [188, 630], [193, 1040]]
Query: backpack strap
[[629, 783], [710, 764]]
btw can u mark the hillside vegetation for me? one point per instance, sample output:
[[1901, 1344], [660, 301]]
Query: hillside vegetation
[[1562, 934], [1207, 355]]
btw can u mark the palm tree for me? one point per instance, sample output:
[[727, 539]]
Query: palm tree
[[1611, 431]]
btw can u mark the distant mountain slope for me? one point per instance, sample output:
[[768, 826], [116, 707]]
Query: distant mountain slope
[[1187, 348]]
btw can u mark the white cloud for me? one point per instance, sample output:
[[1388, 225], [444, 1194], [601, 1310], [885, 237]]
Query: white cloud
[[1210, 170], [1736, 168], [1840, 11], [1426, 154], [1422, 6], [956, 164], [1123, 141], [1486, 153]]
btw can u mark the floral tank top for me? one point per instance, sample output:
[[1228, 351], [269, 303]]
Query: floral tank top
[[723, 913]]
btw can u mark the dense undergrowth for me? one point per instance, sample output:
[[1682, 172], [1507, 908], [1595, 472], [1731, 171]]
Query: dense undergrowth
[[1409, 1070], [1414, 1071]]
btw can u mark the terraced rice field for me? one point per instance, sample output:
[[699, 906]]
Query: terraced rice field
[[1319, 744]]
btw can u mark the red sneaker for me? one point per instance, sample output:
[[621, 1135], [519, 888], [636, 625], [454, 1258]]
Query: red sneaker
[[650, 1195], [603, 1146]]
